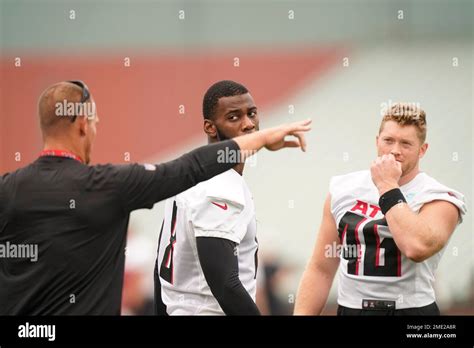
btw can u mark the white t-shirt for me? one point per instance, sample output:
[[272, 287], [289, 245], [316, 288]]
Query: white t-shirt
[[372, 267], [221, 207]]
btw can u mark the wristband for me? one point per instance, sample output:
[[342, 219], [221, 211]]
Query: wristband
[[391, 198]]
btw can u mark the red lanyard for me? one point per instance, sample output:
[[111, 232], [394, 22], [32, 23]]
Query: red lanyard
[[60, 153]]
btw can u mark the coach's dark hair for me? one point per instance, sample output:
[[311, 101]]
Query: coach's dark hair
[[225, 88]]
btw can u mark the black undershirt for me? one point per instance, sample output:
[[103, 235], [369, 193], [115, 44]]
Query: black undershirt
[[220, 266]]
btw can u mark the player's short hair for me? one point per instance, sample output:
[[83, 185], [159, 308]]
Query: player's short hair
[[406, 114], [225, 88]]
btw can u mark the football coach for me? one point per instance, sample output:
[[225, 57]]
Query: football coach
[[76, 215]]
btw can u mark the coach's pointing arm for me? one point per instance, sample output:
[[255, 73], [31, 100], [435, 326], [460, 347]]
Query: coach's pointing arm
[[142, 186]]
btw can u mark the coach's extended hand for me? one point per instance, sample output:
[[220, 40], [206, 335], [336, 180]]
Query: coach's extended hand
[[274, 138]]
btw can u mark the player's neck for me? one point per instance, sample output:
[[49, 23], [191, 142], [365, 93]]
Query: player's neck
[[405, 179], [239, 168]]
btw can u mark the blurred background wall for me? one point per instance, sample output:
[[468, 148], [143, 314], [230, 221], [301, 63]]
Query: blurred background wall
[[148, 64]]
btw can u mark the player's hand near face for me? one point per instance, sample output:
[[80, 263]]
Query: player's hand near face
[[418, 235], [386, 173]]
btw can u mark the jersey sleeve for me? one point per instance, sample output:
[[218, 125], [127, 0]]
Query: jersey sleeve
[[443, 193], [334, 191], [345, 187], [218, 211]]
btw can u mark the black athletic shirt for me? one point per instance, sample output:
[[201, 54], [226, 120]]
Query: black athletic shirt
[[78, 215]]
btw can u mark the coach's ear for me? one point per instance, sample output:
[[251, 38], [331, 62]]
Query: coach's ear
[[210, 128], [82, 125]]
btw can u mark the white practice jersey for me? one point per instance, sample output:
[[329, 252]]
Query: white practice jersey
[[372, 267], [220, 207]]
